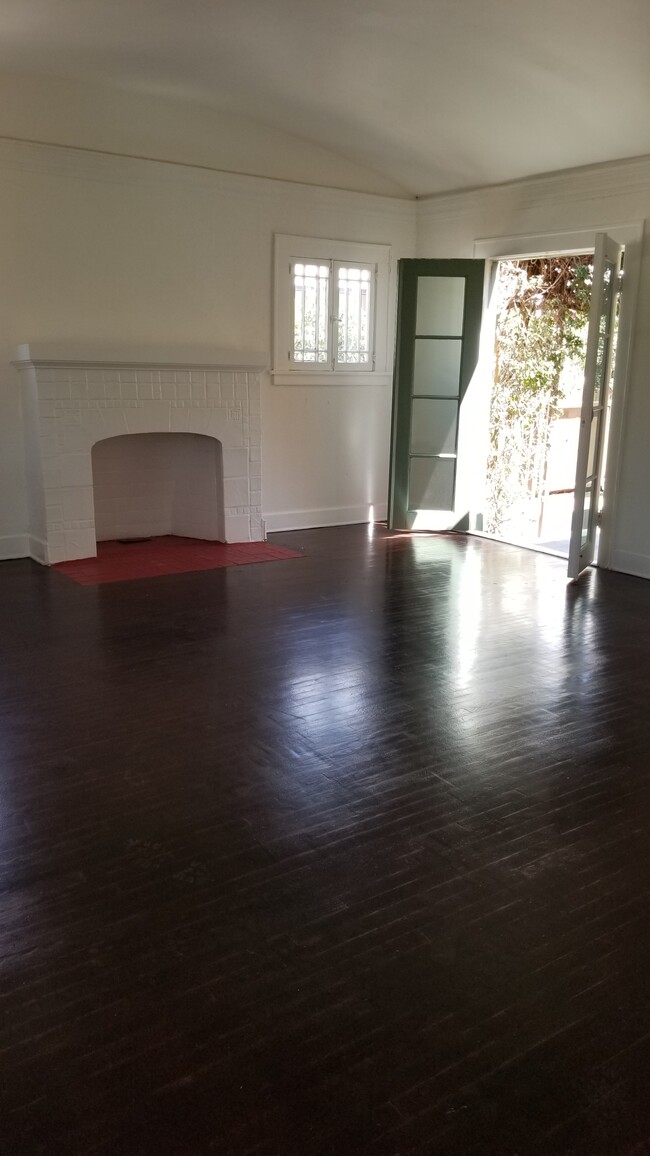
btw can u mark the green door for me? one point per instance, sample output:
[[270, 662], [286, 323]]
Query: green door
[[440, 306]]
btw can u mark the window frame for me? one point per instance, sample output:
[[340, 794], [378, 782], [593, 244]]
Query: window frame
[[367, 365], [290, 249]]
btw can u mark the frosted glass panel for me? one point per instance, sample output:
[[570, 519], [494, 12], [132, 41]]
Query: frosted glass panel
[[433, 426], [441, 303], [437, 367], [431, 484]]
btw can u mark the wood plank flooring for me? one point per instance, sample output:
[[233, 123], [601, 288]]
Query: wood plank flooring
[[346, 855]]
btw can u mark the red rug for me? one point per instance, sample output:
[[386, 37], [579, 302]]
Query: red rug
[[120, 562]]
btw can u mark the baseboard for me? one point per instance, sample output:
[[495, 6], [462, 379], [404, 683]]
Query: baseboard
[[314, 519], [627, 563], [38, 550], [22, 546], [14, 546]]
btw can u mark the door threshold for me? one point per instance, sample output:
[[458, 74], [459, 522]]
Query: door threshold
[[519, 545]]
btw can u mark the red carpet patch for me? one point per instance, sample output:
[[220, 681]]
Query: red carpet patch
[[124, 562]]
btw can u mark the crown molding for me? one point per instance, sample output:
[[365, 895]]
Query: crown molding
[[594, 182], [118, 168]]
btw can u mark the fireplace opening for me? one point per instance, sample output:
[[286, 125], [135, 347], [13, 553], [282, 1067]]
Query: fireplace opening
[[151, 485]]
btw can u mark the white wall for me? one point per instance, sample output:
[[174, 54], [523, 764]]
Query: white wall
[[594, 199], [105, 249]]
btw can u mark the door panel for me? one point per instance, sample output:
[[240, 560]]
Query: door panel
[[438, 327], [437, 366], [440, 305], [431, 483], [434, 425], [595, 400]]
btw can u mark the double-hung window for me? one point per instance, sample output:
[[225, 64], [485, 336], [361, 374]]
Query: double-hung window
[[330, 311]]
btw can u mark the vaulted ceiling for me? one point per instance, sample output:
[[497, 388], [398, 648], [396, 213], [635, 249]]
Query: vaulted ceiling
[[432, 94]]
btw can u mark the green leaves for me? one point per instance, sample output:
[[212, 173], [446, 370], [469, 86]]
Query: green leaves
[[542, 315]]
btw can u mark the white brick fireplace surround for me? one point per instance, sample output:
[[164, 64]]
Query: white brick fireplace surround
[[74, 397]]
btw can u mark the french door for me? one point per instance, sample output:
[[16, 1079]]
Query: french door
[[434, 466], [595, 401], [438, 329]]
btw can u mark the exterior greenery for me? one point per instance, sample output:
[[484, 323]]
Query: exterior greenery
[[542, 316]]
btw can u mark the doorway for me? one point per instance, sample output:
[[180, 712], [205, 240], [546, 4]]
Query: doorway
[[442, 388], [541, 308]]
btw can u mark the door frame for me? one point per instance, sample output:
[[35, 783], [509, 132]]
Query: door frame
[[548, 244], [411, 270]]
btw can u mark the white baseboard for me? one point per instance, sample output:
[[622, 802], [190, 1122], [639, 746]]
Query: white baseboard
[[314, 519], [22, 546], [627, 563], [38, 550], [14, 546]]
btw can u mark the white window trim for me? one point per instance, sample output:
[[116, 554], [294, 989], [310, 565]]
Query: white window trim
[[289, 249]]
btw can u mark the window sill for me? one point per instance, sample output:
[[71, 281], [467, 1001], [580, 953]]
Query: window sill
[[299, 378]]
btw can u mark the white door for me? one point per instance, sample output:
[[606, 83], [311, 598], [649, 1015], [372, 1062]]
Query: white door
[[595, 400]]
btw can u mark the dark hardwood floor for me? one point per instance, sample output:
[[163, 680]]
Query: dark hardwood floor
[[346, 854]]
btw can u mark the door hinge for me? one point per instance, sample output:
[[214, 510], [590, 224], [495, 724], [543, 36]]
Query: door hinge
[[599, 518]]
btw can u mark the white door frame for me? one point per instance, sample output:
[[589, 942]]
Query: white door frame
[[581, 241]]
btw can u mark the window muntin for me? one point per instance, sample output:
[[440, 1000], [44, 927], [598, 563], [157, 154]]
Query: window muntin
[[354, 314], [332, 314], [311, 313]]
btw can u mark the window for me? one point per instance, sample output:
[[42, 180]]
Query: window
[[331, 305], [333, 309]]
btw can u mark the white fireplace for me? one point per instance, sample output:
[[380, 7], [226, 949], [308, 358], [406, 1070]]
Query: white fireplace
[[82, 407]]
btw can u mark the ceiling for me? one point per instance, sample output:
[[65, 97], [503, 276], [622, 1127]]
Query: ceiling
[[432, 94]]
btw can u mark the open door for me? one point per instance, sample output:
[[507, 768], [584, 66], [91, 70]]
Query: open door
[[438, 330], [595, 400]]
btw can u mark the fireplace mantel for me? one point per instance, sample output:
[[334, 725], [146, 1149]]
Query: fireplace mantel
[[75, 395], [206, 357]]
